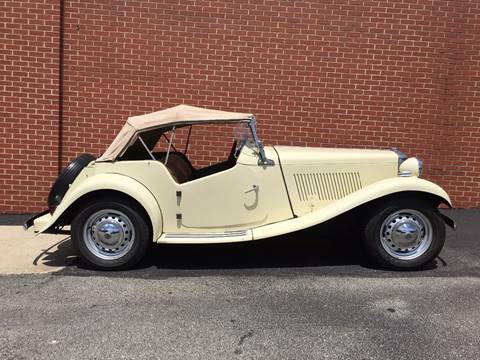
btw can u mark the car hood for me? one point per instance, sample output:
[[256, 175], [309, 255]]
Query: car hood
[[296, 155]]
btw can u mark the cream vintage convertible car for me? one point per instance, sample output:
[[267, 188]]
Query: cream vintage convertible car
[[135, 194]]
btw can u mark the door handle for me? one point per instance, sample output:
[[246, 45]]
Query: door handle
[[254, 188]]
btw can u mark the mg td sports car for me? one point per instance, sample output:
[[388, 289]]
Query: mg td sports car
[[146, 188]]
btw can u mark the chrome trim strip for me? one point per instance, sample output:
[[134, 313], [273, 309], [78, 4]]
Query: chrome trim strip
[[226, 234], [405, 173], [420, 167]]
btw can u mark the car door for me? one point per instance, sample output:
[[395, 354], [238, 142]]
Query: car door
[[227, 200], [246, 196]]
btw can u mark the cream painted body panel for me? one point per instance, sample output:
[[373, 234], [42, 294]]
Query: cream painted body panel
[[89, 180], [228, 199], [243, 196], [316, 177], [333, 209]]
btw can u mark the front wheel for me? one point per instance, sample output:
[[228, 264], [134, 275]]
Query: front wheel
[[404, 234], [111, 234]]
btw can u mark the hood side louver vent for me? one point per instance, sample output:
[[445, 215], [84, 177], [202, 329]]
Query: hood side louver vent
[[326, 186]]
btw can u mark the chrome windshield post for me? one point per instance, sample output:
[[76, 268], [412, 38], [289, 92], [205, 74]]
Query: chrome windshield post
[[262, 159]]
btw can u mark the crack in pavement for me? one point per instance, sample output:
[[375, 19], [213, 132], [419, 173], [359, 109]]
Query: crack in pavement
[[239, 350]]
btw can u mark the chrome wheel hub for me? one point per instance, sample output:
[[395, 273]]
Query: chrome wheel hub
[[406, 234], [108, 234]]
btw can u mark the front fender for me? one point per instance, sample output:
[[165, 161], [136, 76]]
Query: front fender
[[371, 192], [84, 185]]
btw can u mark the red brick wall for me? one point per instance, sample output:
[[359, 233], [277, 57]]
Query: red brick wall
[[321, 73], [29, 58]]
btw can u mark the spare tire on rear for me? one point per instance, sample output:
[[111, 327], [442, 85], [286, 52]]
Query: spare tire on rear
[[66, 177]]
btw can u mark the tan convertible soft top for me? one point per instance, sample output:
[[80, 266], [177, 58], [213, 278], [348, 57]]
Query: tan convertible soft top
[[181, 114]]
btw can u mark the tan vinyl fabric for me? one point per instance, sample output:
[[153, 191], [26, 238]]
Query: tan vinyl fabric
[[181, 114]]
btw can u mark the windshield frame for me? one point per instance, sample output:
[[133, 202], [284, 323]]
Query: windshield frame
[[262, 158]]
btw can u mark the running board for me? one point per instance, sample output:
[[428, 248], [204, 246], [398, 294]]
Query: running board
[[205, 238]]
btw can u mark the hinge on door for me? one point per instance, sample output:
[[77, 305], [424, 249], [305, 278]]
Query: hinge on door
[[179, 197], [179, 216]]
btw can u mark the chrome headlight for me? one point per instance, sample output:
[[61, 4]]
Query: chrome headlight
[[411, 167]]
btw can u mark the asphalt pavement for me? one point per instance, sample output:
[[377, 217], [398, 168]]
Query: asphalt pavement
[[307, 295]]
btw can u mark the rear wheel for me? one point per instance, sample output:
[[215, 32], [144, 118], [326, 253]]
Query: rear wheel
[[404, 234], [111, 234]]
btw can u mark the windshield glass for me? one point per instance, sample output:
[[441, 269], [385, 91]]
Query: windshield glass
[[243, 135]]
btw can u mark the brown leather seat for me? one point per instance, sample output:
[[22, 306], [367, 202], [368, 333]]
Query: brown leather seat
[[178, 165], [182, 170]]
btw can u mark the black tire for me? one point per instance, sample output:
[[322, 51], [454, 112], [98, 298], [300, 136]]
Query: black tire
[[66, 177], [373, 228], [141, 242]]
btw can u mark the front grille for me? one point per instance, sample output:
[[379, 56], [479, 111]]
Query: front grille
[[326, 186]]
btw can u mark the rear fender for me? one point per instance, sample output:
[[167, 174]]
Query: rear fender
[[108, 182], [369, 193]]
